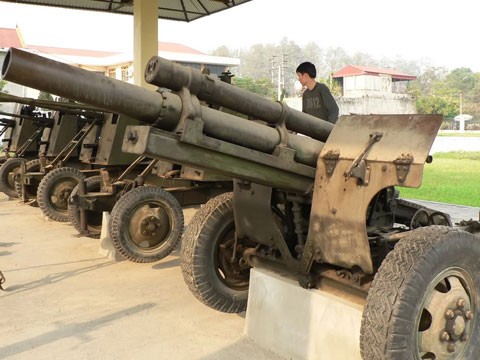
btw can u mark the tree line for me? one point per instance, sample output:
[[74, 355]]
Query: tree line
[[436, 89]]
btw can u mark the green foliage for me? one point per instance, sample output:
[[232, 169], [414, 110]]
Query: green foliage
[[45, 96], [433, 96], [458, 155], [451, 178], [262, 86], [439, 92]]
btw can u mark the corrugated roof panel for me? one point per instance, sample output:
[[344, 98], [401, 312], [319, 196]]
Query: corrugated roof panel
[[181, 10]]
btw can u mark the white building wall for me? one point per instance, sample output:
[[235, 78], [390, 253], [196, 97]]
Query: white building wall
[[367, 94], [364, 105], [377, 105]]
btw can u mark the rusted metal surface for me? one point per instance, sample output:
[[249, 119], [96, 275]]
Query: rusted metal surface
[[337, 233]]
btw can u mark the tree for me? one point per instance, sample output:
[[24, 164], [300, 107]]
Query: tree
[[223, 51], [45, 96], [433, 95], [262, 86]]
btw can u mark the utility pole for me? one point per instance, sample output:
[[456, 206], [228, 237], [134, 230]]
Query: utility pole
[[279, 68], [273, 64]]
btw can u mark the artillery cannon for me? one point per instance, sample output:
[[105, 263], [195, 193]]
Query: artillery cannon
[[111, 175], [319, 208], [73, 138], [5, 124], [83, 141], [23, 139]]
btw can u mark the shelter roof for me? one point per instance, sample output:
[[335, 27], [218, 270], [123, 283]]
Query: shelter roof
[[180, 10], [355, 70], [10, 38]]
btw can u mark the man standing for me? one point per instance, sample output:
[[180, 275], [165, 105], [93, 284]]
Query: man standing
[[317, 99]]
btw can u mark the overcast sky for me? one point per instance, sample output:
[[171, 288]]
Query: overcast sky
[[443, 32]]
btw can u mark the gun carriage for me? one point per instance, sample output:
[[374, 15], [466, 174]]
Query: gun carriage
[[320, 206], [26, 134]]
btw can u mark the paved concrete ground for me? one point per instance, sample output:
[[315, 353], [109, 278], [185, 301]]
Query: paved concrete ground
[[64, 300], [457, 212]]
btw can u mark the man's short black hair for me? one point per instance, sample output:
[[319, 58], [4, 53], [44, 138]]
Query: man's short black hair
[[307, 68]]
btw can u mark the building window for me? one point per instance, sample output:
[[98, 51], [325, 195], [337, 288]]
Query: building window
[[126, 74], [112, 73]]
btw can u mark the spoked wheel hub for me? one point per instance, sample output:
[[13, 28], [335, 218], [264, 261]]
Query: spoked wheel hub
[[149, 226], [60, 194], [146, 224], [446, 321]]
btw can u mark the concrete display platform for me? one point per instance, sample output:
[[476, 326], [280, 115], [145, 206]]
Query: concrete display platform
[[300, 323]]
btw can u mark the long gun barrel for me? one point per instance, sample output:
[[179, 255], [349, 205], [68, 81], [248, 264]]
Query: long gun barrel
[[36, 117], [165, 73], [170, 111], [69, 108]]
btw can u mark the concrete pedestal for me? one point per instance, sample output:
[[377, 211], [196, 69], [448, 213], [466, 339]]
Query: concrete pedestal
[[299, 323], [106, 247]]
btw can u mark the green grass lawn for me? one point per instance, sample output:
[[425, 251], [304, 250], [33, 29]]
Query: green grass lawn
[[453, 178], [459, 134]]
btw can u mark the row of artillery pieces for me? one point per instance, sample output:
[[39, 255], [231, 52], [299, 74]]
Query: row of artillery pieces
[[66, 159], [286, 191]]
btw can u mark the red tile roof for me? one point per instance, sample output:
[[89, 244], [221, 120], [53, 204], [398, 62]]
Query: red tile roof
[[73, 52], [9, 38], [353, 70], [179, 48]]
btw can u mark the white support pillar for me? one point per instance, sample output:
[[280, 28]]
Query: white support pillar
[[145, 41]]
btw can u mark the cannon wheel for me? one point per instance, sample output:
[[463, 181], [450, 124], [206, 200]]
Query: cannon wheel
[[146, 224], [30, 189], [206, 257], [54, 191], [8, 171], [424, 300], [94, 219]]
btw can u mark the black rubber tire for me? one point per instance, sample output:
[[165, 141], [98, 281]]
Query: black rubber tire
[[31, 189], [94, 219], [146, 224], [8, 171], [419, 282], [207, 276], [54, 191]]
